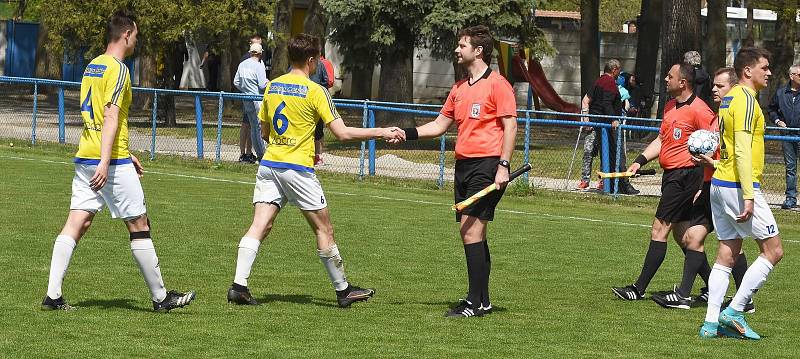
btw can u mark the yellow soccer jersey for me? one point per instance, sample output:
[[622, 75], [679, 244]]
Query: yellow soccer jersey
[[106, 80], [292, 105], [740, 111]]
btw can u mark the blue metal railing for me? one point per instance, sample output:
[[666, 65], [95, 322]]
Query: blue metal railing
[[367, 156]]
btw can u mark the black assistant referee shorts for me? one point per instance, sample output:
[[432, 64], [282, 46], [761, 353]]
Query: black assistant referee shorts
[[472, 175], [701, 210], [678, 188]]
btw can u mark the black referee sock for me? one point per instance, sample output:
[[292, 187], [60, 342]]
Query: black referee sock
[[691, 266], [476, 271], [739, 268], [655, 256], [705, 270], [485, 297]]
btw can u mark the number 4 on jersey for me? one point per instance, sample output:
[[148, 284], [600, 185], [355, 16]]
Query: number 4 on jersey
[[86, 106]]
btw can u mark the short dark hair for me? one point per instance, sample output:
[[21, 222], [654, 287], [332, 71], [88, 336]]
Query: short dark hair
[[255, 36], [301, 47], [118, 23], [687, 73], [479, 35], [732, 78], [749, 56]]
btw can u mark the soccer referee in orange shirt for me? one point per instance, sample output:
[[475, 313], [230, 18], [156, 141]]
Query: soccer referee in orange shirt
[[484, 108]]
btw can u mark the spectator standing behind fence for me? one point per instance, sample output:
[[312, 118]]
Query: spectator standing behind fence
[[251, 79], [604, 99], [245, 143], [324, 77], [702, 81], [784, 111]]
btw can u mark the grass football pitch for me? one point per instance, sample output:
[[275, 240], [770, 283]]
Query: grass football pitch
[[554, 258]]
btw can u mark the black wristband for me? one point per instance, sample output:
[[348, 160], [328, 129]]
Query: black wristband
[[641, 160], [411, 133]]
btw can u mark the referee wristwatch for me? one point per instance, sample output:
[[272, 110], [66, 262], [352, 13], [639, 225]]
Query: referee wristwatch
[[505, 164]]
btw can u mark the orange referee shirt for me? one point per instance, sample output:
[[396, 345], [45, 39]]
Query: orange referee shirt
[[680, 121], [477, 109]]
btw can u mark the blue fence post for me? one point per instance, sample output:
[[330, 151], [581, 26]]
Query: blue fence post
[[604, 158], [62, 137], [198, 118], [527, 149], [372, 145], [153, 129], [219, 129], [442, 145], [361, 155], [619, 158], [35, 105]]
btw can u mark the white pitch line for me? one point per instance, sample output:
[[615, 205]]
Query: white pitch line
[[212, 179]]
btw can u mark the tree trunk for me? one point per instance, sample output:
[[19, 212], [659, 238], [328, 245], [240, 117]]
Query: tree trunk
[[228, 62], [396, 83], [783, 49], [590, 43], [681, 33], [283, 25], [749, 40], [148, 79], [361, 85], [647, 49], [715, 41], [315, 22]]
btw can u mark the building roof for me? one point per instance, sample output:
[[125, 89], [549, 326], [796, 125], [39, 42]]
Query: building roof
[[558, 14]]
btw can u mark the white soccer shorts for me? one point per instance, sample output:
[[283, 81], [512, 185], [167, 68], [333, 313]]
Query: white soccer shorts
[[281, 185], [727, 204], [122, 193]]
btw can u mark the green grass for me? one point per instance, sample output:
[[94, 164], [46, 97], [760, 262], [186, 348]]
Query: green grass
[[550, 280]]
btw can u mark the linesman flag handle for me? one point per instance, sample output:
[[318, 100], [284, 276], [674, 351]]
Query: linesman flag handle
[[489, 189], [646, 172]]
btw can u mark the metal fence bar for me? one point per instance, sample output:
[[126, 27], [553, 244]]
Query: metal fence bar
[[219, 129], [526, 151], [442, 143], [604, 158], [35, 104], [198, 118], [62, 137], [371, 142], [153, 129], [364, 121], [618, 157]]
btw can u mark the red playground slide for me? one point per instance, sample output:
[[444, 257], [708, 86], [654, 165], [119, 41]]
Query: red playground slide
[[541, 87]]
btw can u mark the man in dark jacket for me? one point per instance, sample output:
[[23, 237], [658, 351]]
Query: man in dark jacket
[[784, 111], [702, 81], [604, 99]]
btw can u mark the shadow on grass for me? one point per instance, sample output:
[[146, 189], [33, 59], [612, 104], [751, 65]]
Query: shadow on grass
[[111, 303], [297, 299], [447, 305]]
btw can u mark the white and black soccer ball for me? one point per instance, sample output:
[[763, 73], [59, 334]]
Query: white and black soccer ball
[[703, 142]]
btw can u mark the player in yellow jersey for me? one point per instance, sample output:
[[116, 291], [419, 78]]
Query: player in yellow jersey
[[738, 207], [292, 104], [106, 173]]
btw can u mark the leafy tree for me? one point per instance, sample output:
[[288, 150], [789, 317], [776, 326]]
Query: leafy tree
[[507, 19], [680, 33], [612, 13], [163, 25]]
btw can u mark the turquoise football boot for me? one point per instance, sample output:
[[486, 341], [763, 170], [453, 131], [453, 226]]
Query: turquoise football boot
[[735, 320], [709, 330]]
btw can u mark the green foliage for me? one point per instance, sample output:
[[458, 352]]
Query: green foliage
[[613, 13], [367, 30], [81, 23], [508, 19]]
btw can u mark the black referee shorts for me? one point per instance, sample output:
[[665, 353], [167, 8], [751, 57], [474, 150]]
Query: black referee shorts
[[678, 188], [472, 175], [701, 210]]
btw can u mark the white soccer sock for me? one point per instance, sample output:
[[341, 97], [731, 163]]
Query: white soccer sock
[[248, 249], [718, 282], [62, 253], [753, 279], [334, 265], [145, 255]]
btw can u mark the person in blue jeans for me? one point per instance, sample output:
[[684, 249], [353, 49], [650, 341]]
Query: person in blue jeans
[[784, 111]]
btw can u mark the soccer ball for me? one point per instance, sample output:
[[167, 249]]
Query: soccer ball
[[703, 142]]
